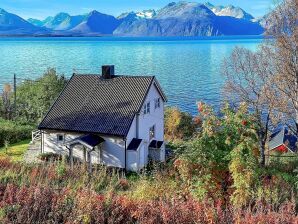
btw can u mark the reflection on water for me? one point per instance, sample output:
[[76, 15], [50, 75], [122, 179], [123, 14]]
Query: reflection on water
[[188, 70]]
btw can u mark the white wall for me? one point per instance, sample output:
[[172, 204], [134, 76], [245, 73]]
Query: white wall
[[132, 131], [156, 117], [132, 160], [145, 122], [110, 152], [158, 154], [113, 152]]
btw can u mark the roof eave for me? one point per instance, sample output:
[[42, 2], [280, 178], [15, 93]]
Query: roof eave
[[83, 132], [162, 94]]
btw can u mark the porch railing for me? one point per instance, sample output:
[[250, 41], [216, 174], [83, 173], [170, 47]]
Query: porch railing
[[36, 136]]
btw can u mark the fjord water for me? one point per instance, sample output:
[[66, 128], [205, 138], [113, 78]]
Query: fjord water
[[189, 69]]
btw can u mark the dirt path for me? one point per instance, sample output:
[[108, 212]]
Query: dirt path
[[31, 156]]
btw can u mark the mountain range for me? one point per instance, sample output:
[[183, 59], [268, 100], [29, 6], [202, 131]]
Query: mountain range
[[175, 19]]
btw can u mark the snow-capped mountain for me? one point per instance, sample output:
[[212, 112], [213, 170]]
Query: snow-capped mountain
[[229, 10], [188, 19], [183, 9], [175, 19], [145, 14]]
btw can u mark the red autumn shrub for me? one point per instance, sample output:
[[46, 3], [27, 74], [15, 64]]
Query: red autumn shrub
[[62, 206], [5, 163], [122, 184], [9, 195], [88, 207], [26, 205], [35, 204], [265, 214], [121, 210]]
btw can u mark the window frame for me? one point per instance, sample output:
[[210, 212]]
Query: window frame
[[157, 103], [146, 109], [58, 138], [152, 132]]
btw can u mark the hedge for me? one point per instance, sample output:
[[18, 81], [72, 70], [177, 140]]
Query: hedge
[[14, 132]]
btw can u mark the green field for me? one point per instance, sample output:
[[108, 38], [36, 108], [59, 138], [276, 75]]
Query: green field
[[15, 151]]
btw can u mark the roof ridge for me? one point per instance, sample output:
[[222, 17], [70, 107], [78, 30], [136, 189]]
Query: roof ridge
[[118, 76]]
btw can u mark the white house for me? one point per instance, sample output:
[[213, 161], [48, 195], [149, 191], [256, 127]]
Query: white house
[[107, 119]]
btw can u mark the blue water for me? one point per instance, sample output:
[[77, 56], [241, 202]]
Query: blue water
[[189, 69]]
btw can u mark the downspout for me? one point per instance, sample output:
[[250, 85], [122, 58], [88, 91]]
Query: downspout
[[42, 139], [137, 136], [137, 125], [125, 154], [41, 144]]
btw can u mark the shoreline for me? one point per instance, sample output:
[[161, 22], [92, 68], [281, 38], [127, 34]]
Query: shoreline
[[142, 38]]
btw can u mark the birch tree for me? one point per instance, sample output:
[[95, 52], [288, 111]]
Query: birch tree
[[282, 52], [247, 81]]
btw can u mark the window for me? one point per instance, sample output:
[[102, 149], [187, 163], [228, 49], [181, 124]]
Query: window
[[147, 108], [60, 138], [152, 132], [157, 103]]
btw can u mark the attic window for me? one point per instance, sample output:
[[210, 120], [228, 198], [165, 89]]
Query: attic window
[[147, 108], [157, 103]]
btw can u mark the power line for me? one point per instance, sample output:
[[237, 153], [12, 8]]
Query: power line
[[15, 92]]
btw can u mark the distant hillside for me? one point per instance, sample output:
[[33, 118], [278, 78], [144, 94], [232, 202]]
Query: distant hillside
[[97, 23], [61, 21], [175, 19], [11, 24]]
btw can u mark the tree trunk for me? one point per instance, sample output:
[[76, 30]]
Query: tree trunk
[[263, 158], [263, 133], [296, 123]]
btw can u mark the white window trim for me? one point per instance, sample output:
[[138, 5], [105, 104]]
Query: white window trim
[[154, 133], [145, 108], [60, 141], [157, 103]]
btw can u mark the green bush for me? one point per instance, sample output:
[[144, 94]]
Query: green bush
[[14, 132], [284, 162]]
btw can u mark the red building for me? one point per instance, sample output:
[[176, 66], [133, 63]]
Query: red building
[[283, 141]]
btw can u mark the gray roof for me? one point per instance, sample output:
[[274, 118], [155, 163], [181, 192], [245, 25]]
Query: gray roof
[[89, 140], [283, 137], [134, 144], [276, 139], [91, 104], [155, 144]]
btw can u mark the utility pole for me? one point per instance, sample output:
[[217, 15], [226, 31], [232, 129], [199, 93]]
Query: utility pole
[[15, 93]]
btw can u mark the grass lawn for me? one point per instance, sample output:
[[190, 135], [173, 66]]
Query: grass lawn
[[16, 151]]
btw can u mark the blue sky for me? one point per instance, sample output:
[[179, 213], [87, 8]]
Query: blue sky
[[42, 8]]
